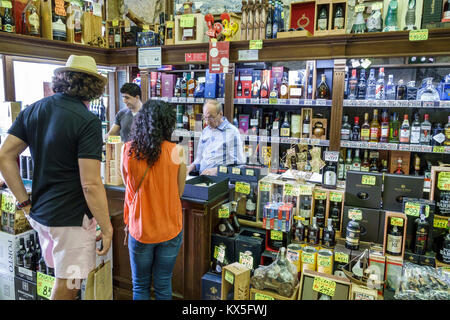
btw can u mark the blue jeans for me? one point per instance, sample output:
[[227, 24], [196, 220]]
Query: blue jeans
[[154, 259]]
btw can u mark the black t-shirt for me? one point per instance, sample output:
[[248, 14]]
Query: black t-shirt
[[59, 130]]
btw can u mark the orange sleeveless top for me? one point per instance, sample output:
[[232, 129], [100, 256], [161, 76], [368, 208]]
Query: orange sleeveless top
[[155, 215]]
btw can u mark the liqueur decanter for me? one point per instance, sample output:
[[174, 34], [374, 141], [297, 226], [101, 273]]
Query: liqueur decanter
[[391, 17], [410, 18]]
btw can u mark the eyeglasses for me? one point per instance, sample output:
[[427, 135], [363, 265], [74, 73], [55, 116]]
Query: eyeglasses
[[209, 118]]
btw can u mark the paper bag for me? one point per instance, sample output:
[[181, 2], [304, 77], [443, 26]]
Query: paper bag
[[99, 283]]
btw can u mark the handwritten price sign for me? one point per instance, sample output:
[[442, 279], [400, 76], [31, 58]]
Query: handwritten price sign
[[44, 285], [8, 202], [418, 35], [242, 187], [224, 213], [369, 180], [324, 286], [397, 222], [444, 181]]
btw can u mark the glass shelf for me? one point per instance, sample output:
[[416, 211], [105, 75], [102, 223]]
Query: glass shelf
[[395, 146], [397, 104], [284, 102]]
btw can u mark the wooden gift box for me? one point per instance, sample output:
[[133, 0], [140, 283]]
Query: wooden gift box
[[334, 3], [200, 30], [432, 11], [388, 215], [91, 26], [113, 171], [394, 155], [319, 5], [302, 14], [256, 294], [304, 112], [236, 277]]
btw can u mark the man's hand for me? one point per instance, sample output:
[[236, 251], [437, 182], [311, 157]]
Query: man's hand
[[106, 243], [210, 172], [190, 168], [26, 210]]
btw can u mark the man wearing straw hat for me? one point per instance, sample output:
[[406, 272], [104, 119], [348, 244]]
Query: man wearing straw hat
[[68, 198]]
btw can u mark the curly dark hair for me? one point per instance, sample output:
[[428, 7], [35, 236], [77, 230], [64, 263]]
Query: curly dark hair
[[153, 124], [78, 85], [132, 89]]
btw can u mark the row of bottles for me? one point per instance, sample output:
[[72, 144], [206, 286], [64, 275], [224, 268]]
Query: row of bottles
[[29, 255], [374, 88], [338, 18], [275, 21], [98, 108], [312, 234], [391, 130]]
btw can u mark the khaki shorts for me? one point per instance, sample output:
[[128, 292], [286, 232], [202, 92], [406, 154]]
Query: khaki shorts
[[69, 250]]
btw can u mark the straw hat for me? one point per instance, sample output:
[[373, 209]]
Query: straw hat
[[84, 64]]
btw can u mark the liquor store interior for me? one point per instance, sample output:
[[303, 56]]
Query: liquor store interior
[[274, 149]]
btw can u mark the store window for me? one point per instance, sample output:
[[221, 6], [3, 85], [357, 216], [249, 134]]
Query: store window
[[31, 80]]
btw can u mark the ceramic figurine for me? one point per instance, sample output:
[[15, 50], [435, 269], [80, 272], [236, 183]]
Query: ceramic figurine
[[359, 26], [410, 18], [214, 29], [391, 17], [375, 22], [229, 28]]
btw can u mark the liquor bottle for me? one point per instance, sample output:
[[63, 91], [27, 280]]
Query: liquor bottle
[[8, 22], [306, 130], [34, 258], [305, 210], [28, 257], [296, 89], [186, 120], [415, 130], [269, 21], [329, 176], [177, 89], [320, 214], [422, 229], [365, 128], [447, 131], [384, 167], [313, 232], [335, 215], [405, 130], [59, 21], [184, 85], [235, 118], [276, 122], [348, 162], [309, 85], [284, 88], [239, 86], [275, 22], [390, 88], [352, 235], [416, 165], [356, 163], [191, 84], [401, 90], [375, 131], [274, 92], [299, 234], [224, 227], [322, 21], [250, 206], [379, 89], [265, 89], [411, 90], [117, 37], [219, 262], [394, 129], [31, 20], [295, 125], [394, 241], [362, 88], [254, 123], [437, 135], [346, 83], [384, 136], [346, 128], [444, 252], [371, 85], [341, 166], [356, 131], [285, 127], [323, 91], [365, 165], [399, 167], [339, 17], [111, 38], [158, 85], [329, 235], [373, 165], [21, 253], [425, 131], [353, 86]]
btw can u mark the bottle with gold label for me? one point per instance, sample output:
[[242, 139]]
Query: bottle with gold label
[[375, 130], [295, 125], [306, 130], [296, 88], [8, 22], [285, 130], [313, 232], [192, 83], [323, 91], [352, 235], [284, 88], [365, 128], [394, 241], [339, 17]]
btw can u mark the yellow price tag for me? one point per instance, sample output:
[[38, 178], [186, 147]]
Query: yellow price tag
[[355, 214], [249, 172], [260, 296], [341, 257], [444, 181], [256, 44], [397, 222], [440, 223], [288, 189], [170, 25], [223, 169], [318, 195], [276, 235], [324, 286], [44, 285], [418, 35], [236, 171], [336, 197], [323, 261], [115, 23], [308, 258], [187, 21], [368, 180], [114, 139], [439, 149], [8, 202], [229, 276], [264, 187], [7, 4], [360, 8], [145, 28], [273, 101], [224, 213], [306, 190], [242, 187], [246, 260]]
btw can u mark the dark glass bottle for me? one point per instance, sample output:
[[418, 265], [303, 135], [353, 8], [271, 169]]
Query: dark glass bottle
[[285, 127], [313, 233], [323, 91], [322, 21], [329, 235], [218, 264], [239, 86], [117, 38], [235, 118], [401, 90], [356, 131], [346, 128], [320, 214], [352, 235], [438, 136], [250, 207], [422, 228], [299, 234], [335, 214], [445, 249], [111, 38], [21, 253], [362, 85], [329, 176], [8, 22], [51, 271], [394, 241], [233, 216], [28, 256], [225, 228], [269, 22]]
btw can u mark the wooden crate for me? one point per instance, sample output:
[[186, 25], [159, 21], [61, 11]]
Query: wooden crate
[[256, 294], [200, 30], [306, 291], [434, 171], [332, 31], [91, 26], [320, 4], [236, 276]]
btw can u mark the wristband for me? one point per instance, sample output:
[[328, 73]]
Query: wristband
[[23, 204]]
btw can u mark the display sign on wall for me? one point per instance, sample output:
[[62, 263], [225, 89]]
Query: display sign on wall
[[219, 56]]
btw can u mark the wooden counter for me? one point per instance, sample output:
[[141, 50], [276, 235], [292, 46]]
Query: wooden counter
[[193, 260]]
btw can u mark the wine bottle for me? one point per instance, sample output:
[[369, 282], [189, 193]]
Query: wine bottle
[[329, 235], [422, 229], [394, 241]]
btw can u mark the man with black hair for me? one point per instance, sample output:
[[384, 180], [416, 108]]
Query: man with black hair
[[131, 95]]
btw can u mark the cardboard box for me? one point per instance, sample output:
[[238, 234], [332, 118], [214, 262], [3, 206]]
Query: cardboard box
[[394, 266], [411, 257], [219, 185], [246, 241], [25, 290], [113, 175], [363, 189], [246, 82], [211, 286], [256, 294], [168, 84], [15, 223], [397, 187], [235, 280], [229, 242], [428, 259], [211, 85], [8, 114], [369, 224], [7, 291], [9, 245]]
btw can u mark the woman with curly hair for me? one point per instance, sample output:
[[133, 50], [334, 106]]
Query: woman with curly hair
[[154, 173]]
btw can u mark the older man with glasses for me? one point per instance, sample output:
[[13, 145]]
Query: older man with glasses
[[220, 141]]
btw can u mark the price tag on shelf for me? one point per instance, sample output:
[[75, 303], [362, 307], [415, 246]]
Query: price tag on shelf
[[443, 181], [294, 102], [397, 222], [6, 4], [149, 57], [360, 8], [260, 296], [418, 35], [182, 99], [242, 187], [366, 63], [336, 197], [282, 101], [229, 276], [414, 148], [224, 212], [264, 187], [254, 101], [187, 21], [368, 180], [306, 190], [223, 169], [273, 101], [341, 257], [290, 190], [373, 145], [250, 172], [324, 286], [332, 156], [8, 202], [438, 149], [355, 63], [276, 235], [321, 102], [246, 260], [236, 170], [44, 285], [255, 44], [308, 102], [320, 195], [440, 223], [248, 55], [315, 142], [115, 23], [190, 100], [355, 214]]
